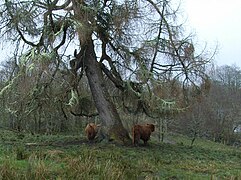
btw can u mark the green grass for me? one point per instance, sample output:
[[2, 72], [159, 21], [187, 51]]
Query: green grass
[[71, 157]]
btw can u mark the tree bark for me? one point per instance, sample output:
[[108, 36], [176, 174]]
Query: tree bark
[[106, 108], [103, 103]]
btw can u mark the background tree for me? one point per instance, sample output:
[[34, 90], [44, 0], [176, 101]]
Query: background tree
[[135, 45], [226, 95], [216, 115]]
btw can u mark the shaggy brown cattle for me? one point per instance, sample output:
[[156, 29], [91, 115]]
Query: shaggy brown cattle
[[142, 132], [91, 130]]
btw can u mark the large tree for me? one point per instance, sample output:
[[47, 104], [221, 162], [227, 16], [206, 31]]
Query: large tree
[[136, 44]]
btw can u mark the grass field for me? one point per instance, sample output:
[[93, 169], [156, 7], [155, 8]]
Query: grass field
[[25, 156]]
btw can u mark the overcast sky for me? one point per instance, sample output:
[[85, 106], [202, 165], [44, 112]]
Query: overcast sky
[[217, 22]]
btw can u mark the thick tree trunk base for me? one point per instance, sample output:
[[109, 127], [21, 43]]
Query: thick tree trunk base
[[115, 135], [120, 135]]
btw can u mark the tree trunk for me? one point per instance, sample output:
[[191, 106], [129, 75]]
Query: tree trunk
[[105, 107], [87, 59]]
